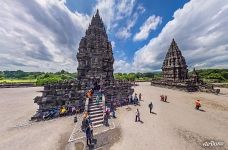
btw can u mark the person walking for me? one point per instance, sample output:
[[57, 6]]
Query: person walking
[[151, 107], [140, 96], [137, 115]]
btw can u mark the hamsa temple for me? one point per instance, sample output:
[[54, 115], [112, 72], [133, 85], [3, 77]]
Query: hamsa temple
[[95, 75]]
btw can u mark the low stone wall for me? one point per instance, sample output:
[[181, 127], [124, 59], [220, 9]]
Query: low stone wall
[[186, 86], [182, 87]]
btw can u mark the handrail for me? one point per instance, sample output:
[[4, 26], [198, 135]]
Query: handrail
[[103, 104]]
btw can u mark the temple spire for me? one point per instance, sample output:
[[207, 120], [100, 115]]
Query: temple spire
[[97, 21]]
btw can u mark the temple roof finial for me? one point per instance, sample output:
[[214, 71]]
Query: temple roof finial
[[97, 13], [173, 41]]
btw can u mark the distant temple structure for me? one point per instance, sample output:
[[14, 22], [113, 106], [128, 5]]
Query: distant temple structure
[[175, 73], [174, 66]]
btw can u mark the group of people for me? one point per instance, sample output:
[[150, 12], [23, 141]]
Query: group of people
[[87, 127], [163, 98], [135, 100], [54, 113]]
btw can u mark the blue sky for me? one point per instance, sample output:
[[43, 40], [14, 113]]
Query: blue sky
[[43, 35]]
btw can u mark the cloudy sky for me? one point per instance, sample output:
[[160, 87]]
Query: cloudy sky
[[43, 35]]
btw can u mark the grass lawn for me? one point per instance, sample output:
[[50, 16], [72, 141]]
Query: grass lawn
[[18, 81]]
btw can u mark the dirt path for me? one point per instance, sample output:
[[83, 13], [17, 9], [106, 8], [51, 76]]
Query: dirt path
[[16, 108], [175, 125]]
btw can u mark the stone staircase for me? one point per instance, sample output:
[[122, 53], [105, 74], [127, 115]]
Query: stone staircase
[[96, 111]]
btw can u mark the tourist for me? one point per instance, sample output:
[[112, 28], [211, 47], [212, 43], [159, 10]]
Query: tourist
[[88, 136], [162, 97], [135, 99], [140, 96], [165, 98], [106, 116], [89, 123], [63, 111], [197, 104], [137, 115], [112, 109], [151, 107], [84, 121]]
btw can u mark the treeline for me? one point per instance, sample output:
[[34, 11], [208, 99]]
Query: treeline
[[137, 76], [41, 78], [214, 75]]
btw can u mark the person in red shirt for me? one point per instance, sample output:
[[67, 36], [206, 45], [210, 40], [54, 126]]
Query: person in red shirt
[[198, 104]]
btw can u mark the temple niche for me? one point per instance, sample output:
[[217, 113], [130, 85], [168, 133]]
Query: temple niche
[[175, 73]]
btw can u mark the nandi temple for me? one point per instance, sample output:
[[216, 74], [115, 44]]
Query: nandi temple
[[95, 71], [175, 73]]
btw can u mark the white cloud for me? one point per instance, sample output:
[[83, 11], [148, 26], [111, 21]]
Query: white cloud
[[200, 30], [122, 66], [39, 35], [113, 44], [150, 24], [113, 11], [124, 32]]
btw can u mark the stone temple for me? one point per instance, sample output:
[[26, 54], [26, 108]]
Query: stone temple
[[174, 66], [95, 57], [95, 69], [175, 73]]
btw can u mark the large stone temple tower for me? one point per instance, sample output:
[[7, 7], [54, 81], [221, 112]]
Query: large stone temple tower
[[174, 66], [95, 57]]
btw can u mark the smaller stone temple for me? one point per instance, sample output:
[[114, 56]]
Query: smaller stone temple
[[175, 73], [174, 66]]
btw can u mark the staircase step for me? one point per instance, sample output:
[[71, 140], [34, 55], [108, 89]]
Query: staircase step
[[96, 112], [95, 109], [99, 122], [96, 115], [94, 103], [97, 118], [95, 106]]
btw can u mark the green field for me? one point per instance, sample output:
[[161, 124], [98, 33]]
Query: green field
[[18, 81]]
